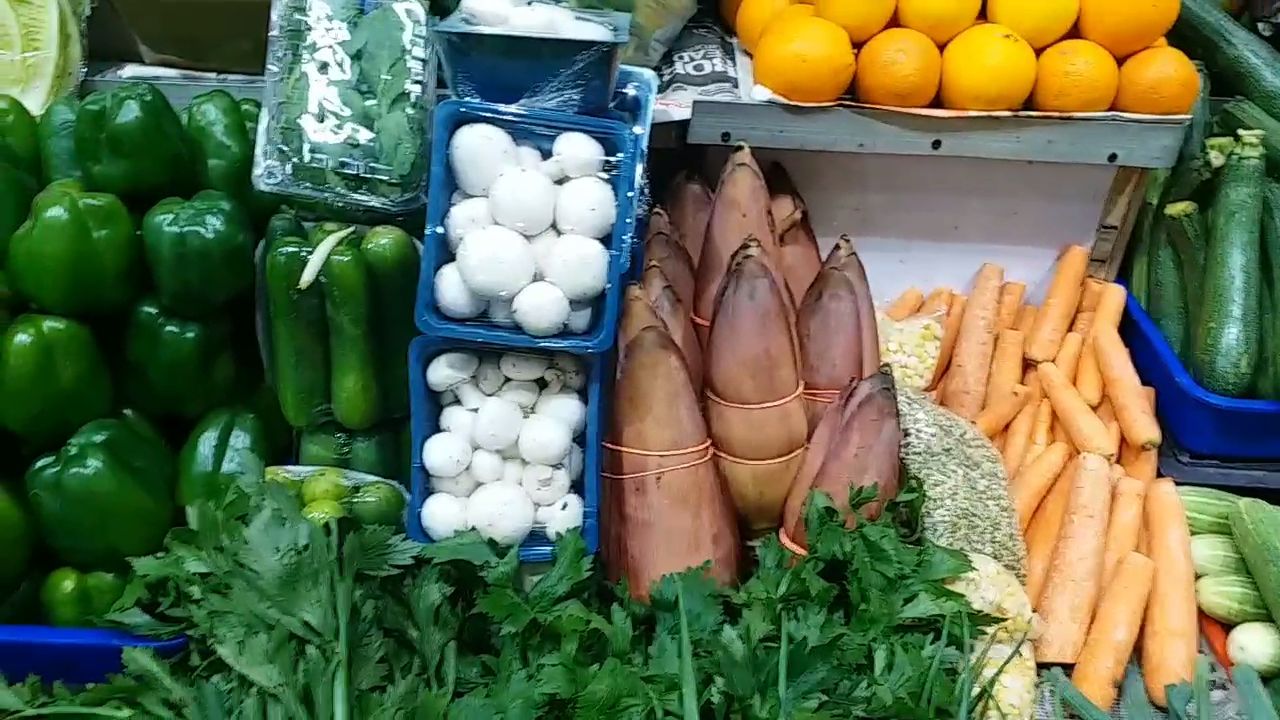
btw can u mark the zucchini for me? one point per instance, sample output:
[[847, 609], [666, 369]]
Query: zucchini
[[1166, 290], [1225, 343], [1241, 114], [1232, 51], [1208, 510], [1186, 231], [1255, 704], [1267, 376], [1187, 178], [1255, 526], [1216, 555], [1233, 599], [1201, 118], [1140, 253]]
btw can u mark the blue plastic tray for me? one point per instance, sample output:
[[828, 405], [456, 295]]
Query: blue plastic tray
[[574, 76], [539, 127], [1203, 424], [633, 102], [425, 411], [71, 655]]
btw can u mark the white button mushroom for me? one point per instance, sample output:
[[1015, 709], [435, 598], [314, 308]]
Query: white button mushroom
[[460, 485], [541, 244], [495, 262], [544, 484], [544, 440], [523, 200], [528, 155], [457, 197], [541, 309], [523, 366], [449, 370], [499, 313], [512, 470], [501, 512], [586, 206], [579, 153], [578, 265], [553, 169], [452, 295], [559, 518], [469, 395], [445, 454], [579, 318], [462, 218], [497, 424], [575, 372], [510, 452], [477, 153], [486, 466], [492, 13], [489, 376], [574, 462], [447, 398], [565, 406], [443, 516], [458, 420], [535, 19], [520, 392]]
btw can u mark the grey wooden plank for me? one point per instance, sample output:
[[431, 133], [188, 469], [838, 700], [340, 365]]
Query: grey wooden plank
[[860, 130]]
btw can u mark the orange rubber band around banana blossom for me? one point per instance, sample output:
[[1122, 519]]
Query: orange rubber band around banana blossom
[[699, 321], [822, 396], [789, 544], [758, 406], [770, 461], [706, 445]]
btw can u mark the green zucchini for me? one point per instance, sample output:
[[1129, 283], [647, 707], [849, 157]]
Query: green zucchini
[[1189, 177], [1208, 510], [298, 341], [1233, 52], [1233, 599], [1166, 289], [1255, 526], [1186, 232], [1267, 376], [353, 378], [1140, 253], [1225, 343], [1242, 114]]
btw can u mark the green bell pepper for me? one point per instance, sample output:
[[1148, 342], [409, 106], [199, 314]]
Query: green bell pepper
[[200, 252], [15, 538], [53, 379], [77, 254], [17, 190], [223, 132], [18, 143], [131, 143], [176, 367], [107, 495], [6, 302], [392, 259], [71, 598], [229, 444], [57, 135]]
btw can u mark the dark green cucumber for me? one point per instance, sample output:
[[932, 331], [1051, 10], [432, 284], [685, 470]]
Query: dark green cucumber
[[353, 374], [1225, 343], [326, 444], [1166, 291], [298, 335], [1186, 231], [376, 451], [392, 259], [1233, 52], [1242, 114]]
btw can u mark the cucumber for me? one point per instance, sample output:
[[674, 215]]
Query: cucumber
[[1233, 53], [1255, 526], [1242, 114], [353, 375], [377, 451], [327, 445], [1225, 343], [1208, 510], [1216, 555], [1166, 289], [1233, 599], [1186, 233], [392, 259], [298, 341]]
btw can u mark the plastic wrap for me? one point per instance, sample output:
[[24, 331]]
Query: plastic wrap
[[347, 107], [545, 410], [382, 450], [539, 54], [911, 346], [42, 50], [529, 227], [334, 493]]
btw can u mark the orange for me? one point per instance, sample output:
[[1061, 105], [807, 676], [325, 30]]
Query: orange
[[1040, 22], [1160, 42], [1158, 81], [1126, 26], [987, 67], [793, 11], [1076, 76], [860, 18], [899, 67], [805, 59], [753, 17], [941, 20]]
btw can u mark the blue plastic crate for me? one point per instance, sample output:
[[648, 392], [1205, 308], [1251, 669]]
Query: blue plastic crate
[[538, 127], [543, 71], [633, 102], [1203, 424], [71, 655], [425, 411]]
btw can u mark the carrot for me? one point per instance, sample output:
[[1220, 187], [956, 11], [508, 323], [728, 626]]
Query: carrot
[[1017, 438], [975, 344], [906, 304], [1031, 379], [1072, 586], [950, 329], [1059, 307], [1069, 354], [1087, 432], [1006, 366], [1046, 525], [1090, 293], [1114, 632], [1124, 388], [996, 417], [1088, 376], [1026, 318], [1083, 323], [1010, 302], [1041, 434], [936, 302], [1117, 472], [1110, 306], [1126, 522], [1114, 436], [1106, 412], [1059, 433], [1028, 488], [1216, 637], [1170, 636], [1150, 393]]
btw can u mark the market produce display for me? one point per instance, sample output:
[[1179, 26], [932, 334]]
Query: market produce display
[[1067, 56]]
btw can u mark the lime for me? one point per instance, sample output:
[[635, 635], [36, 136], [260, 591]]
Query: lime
[[39, 23], [322, 511], [377, 503], [323, 486]]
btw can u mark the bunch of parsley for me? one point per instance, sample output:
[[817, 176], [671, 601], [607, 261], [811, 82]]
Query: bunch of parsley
[[292, 620]]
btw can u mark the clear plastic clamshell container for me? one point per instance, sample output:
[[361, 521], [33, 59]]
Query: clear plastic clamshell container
[[350, 85]]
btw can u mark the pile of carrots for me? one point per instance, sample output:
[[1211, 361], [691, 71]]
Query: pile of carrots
[[1055, 389]]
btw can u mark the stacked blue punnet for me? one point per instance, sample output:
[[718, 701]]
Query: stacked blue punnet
[[620, 125]]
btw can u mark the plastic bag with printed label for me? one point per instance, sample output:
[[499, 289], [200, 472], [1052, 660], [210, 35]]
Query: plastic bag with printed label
[[911, 345]]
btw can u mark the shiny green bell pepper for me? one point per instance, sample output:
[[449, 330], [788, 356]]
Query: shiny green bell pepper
[[19, 145], [57, 135], [53, 379], [17, 190], [130, 142], [77, 254], [71, 598], [107, 495], [223, 131], [15, 539], [227, 445], [176, 367], [200, 252]]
